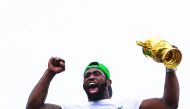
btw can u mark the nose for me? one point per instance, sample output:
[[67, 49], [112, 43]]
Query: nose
[[91, 77]]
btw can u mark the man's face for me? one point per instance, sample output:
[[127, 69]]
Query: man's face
[[94, 83]]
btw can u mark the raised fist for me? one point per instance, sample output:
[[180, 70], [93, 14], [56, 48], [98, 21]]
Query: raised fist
[[56, 65]]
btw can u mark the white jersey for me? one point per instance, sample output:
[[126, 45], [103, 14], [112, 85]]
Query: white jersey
[[108, 104]]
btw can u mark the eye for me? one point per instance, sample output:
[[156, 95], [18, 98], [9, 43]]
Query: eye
[[96, 73], [87, 75]]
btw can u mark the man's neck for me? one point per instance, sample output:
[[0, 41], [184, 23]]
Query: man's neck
[[96, 98]]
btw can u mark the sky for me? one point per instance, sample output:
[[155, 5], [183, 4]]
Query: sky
[[82, 31]]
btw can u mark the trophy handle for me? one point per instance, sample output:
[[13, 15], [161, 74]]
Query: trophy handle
[[140, 43]]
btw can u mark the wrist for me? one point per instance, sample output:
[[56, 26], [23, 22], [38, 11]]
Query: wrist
[[51, 72], [171, 69]]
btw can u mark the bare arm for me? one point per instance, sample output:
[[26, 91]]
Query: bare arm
[[38, 95], [171, 95]]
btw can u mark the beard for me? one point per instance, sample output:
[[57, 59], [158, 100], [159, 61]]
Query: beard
[[98, 95]]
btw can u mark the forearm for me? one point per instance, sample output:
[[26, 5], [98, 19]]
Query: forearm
[[171, 90], [39, 93]]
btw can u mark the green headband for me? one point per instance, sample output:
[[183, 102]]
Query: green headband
[[101, 67]]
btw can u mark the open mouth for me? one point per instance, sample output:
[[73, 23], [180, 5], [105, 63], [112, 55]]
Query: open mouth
[[92, 88]]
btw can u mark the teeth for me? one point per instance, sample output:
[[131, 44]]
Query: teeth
[[91, 84]]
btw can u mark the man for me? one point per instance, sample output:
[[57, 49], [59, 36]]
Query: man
[[97, 85]]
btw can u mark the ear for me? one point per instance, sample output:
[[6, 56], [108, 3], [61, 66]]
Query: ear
[[108, 82]]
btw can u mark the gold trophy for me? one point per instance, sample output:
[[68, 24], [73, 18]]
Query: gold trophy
[[161, 51]]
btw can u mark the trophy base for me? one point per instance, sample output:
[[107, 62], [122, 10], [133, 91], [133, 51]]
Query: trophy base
[[172, 58]]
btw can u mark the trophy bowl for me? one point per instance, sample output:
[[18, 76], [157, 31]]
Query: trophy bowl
[[161, 51]]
